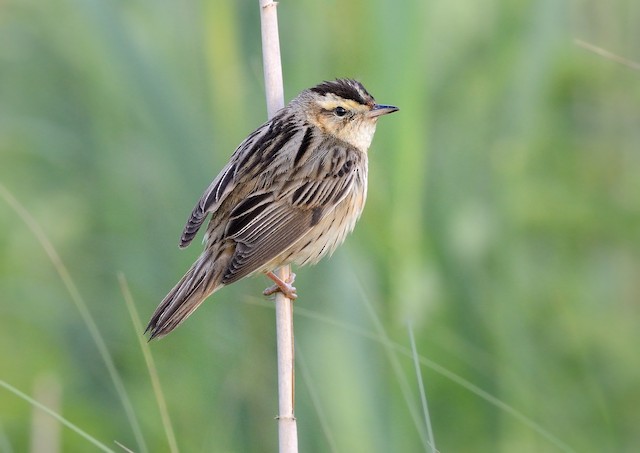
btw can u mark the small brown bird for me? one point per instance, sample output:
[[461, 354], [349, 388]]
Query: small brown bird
[[290, 193]]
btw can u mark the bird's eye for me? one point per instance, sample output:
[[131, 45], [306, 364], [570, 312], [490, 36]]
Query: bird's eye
[[340, 111]]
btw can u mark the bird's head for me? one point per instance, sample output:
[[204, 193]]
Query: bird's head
[[344, 109]]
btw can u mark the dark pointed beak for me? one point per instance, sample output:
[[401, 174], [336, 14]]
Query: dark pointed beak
[[380, 109]]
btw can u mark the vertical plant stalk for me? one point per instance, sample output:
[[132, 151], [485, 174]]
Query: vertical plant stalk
[[45, 431], [287, 428]]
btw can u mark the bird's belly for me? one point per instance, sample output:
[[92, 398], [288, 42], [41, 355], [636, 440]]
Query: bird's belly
[[327, 235]]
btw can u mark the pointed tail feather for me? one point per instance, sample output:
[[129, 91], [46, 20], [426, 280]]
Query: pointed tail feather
[[200, 281]]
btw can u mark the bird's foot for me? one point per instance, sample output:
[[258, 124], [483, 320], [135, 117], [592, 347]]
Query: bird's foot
[[282, 286]]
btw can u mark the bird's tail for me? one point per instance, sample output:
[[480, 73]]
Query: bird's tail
[[200, 281]]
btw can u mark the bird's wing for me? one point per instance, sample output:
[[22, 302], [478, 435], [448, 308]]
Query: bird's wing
[[266, 223], [224, 183]]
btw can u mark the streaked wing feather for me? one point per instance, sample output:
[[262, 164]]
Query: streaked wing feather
[[219, 188], [224, 184], [266, 224], [268, 237]]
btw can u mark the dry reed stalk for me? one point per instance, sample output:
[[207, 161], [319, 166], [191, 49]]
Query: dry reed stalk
[[287, 428]]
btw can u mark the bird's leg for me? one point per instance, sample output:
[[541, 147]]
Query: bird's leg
[[282, 286]]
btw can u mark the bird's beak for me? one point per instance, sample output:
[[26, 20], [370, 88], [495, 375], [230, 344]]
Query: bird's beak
[[379, 110]]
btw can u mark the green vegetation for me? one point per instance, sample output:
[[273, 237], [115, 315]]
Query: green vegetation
[[503, 221]]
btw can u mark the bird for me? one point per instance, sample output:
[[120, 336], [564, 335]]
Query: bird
[[290, 194]]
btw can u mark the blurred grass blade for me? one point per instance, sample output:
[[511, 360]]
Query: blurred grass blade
[[151, 366], [55, 415], [453, 377], [127, 450], [522, 418], [80, 304], [607, 54], [405, 388], [389, 345], [423, 396]]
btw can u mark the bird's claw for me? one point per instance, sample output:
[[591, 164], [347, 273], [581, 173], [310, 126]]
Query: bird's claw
[[282, 286]]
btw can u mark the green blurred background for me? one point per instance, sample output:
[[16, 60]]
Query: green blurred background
[[503, 224]]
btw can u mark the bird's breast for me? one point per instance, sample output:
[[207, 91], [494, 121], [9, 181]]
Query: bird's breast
[[333, 227]]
